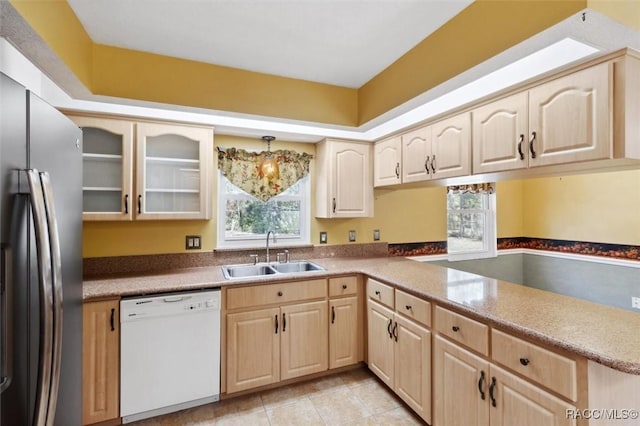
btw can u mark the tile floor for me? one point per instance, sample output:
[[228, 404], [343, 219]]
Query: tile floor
[[351, 398]]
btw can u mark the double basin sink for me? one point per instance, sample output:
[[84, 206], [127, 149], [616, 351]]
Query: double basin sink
[[265, 269]]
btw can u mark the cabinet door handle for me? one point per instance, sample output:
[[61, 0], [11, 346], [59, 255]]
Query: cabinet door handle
[[284, 322], [520, 147], [395, 331], [531, 141], [276, 323], [139, 204], [333, 314], [126, 203], [433, 164], [112, 320], [389, 328], [398, 170], [426, 164], [492, 387], [481, 385], [334, 205]]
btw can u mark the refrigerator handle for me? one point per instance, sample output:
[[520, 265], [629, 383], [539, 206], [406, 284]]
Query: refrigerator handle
[[56, 263], [6, 293], [45, 278]]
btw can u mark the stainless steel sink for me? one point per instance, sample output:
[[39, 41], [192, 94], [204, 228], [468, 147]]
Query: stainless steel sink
[[243, 271], [297, 266], [262, 269]]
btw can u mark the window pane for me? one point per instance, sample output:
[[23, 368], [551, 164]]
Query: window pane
[[247, 218], [465, 232]]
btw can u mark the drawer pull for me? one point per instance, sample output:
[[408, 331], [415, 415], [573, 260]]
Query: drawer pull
[[492, 387], [408, 307], [377, 292], [344, 286], [455, 328], [389, 328], [279, 293], [481, 385], [524, 361]]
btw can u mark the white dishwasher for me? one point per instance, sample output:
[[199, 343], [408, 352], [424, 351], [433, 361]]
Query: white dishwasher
[[169, 353]]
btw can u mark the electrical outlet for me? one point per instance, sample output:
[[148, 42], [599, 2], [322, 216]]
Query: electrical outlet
[[193, 242], [352, 236], [323, 237], [635, 302], [376, 235]]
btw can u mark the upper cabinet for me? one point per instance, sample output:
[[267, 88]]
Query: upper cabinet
[[440, 150], [107, 160], [563, 121], [344, 185], [171, 178], [387, 158]]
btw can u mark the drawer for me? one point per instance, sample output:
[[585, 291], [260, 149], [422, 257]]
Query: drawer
[[269, 294], [343, 286], [545, 367], [379, 292], [413, 307], [466, 331]]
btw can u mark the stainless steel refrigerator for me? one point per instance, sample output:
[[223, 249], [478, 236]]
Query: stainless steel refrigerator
[[41, 267]]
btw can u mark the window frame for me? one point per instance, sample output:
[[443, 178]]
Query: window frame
[[258, 240], [490, 248]]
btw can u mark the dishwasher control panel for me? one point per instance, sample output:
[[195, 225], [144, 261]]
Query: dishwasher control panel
[[138, 308]]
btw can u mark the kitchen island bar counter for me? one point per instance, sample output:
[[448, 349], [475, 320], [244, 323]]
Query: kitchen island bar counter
[[600, 333]]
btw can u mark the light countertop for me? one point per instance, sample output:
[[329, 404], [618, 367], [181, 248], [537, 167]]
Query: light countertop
[[600, 333]]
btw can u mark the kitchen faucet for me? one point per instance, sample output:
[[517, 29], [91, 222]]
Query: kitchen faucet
[[274, 241]]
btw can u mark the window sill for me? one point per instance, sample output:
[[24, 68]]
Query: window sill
[[261, 247]]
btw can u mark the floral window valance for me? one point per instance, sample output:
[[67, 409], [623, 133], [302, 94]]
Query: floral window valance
[[243, 169], [474, 188]]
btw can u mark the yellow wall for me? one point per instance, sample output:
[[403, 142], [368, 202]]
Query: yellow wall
[[600, 207], [479, 32]]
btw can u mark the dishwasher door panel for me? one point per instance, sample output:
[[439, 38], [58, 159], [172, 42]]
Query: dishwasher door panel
[[169, 360]]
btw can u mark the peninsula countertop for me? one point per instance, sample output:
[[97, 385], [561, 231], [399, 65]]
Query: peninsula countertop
[[600, 333]]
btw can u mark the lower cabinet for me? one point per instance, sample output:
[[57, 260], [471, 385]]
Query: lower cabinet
[[281, 331], [469, 390], [400, 350], [100, 361], [270, 345]]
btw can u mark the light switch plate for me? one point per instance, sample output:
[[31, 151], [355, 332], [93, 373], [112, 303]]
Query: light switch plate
[[376, 235], [323, 237], [193, 242], [352, 236], [635, 302]]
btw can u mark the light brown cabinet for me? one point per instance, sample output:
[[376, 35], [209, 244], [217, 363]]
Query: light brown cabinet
[[439, 150], [168, 176], [269, 345], [100, 361], [387, 162], [345, 321], [562, 121], [344, 186], [473, 389], [400, 348]]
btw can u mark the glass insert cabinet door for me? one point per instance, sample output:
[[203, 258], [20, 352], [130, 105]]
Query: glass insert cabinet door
[[107, 157], [173, 171]]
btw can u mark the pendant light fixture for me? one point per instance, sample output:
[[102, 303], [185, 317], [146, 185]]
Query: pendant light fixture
[[268, 168]]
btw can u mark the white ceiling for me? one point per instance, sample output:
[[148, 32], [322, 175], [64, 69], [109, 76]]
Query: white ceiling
[[340, 42]]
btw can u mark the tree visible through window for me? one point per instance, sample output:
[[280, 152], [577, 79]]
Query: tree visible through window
[[243, 219], [470, 225]]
